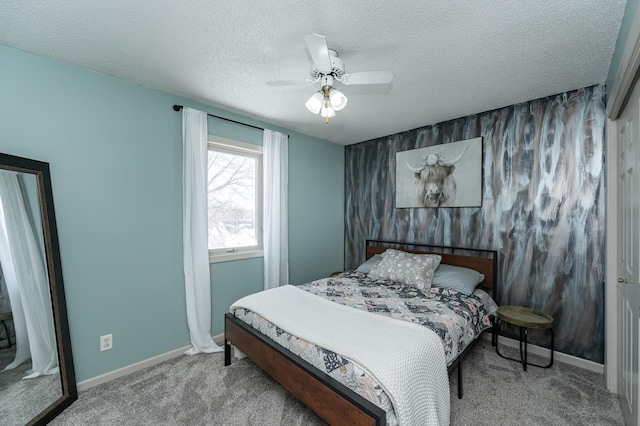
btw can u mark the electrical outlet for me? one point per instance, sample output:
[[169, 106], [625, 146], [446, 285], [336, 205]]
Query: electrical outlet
[[106, 342]]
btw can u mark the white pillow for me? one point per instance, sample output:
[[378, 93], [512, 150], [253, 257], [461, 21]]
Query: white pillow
[[457, 278], [407, 268]]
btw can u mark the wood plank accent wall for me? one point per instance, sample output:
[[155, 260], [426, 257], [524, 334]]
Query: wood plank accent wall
[[543, 207]]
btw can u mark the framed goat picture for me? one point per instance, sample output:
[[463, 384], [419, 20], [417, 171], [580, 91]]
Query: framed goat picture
[[446, 175]]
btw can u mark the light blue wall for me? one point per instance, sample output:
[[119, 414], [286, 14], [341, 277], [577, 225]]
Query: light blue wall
[[317, 169], [115, 152]]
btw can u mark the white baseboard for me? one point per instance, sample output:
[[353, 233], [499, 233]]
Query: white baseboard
[[111, 375], [557, 356], [219, 339]]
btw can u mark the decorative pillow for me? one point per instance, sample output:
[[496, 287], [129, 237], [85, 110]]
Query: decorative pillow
[[407, 268], [367, 266], [451, 277]]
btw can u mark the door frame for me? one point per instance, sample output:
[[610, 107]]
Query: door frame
[[610, 285], [623, 85]]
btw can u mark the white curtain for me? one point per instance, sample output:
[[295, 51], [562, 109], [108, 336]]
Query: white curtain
[[276, 227], [195, 231], [27, 282]]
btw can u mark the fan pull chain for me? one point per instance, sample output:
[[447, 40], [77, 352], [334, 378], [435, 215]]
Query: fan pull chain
[[326, 108]]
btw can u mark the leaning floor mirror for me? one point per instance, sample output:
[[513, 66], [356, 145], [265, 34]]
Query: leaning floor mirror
[[37, 379]]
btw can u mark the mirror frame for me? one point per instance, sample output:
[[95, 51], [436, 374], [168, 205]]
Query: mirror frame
[[54, 269]]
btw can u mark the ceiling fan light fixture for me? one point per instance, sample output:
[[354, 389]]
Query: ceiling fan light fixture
[[327, 69], [327, 110], [314, 104], [338, 99]]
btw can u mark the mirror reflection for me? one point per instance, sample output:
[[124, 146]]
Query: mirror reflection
[[29, 369]]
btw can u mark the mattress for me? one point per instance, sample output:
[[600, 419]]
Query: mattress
[[456, 318]]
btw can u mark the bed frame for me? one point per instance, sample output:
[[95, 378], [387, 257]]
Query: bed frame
[[327, 397]]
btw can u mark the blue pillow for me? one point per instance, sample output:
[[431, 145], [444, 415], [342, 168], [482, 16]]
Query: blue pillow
[[367, 266], [451, 277]]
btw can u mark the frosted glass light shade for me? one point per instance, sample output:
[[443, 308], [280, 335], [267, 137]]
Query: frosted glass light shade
[[328, 111], [338, 99], [315, 102]]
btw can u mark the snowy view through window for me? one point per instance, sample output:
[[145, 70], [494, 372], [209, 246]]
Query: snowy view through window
[[231, 200]]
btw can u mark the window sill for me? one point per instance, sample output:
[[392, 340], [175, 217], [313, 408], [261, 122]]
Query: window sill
[[236, 255]]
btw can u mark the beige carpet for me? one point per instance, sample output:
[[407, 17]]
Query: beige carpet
[[199, 390], [499, 392]]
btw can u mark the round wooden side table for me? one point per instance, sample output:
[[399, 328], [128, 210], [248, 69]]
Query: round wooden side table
[[525, 318]]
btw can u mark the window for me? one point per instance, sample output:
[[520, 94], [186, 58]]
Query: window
[[234, 200]]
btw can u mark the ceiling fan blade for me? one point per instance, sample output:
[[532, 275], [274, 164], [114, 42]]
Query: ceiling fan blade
[[319, 51], [299, 82], [368, 77]]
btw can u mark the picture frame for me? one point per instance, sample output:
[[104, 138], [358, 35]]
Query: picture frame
[[445, 175]]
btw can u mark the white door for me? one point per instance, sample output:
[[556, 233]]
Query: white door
[[628, 256]]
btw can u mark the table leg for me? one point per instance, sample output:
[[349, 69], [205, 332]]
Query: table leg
[[524, 352], [526, 341], [6, 332], [504, 356], [551, 362]]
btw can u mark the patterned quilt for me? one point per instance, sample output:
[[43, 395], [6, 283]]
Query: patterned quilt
[[458, 319]]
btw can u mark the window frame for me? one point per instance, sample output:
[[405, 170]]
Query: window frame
[[230, 146]]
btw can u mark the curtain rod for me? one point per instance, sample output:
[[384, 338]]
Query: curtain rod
[[179, 107]]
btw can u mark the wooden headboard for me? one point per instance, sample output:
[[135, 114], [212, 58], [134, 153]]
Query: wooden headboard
[[483, 261]]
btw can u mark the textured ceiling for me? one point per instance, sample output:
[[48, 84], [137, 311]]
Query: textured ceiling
[[450, 58]]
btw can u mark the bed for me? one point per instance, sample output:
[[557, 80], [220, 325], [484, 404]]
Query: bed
[[325, 382]]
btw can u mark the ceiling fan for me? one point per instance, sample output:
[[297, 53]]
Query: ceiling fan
[[327, 68]]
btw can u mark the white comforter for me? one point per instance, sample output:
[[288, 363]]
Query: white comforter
[[406, 359]]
